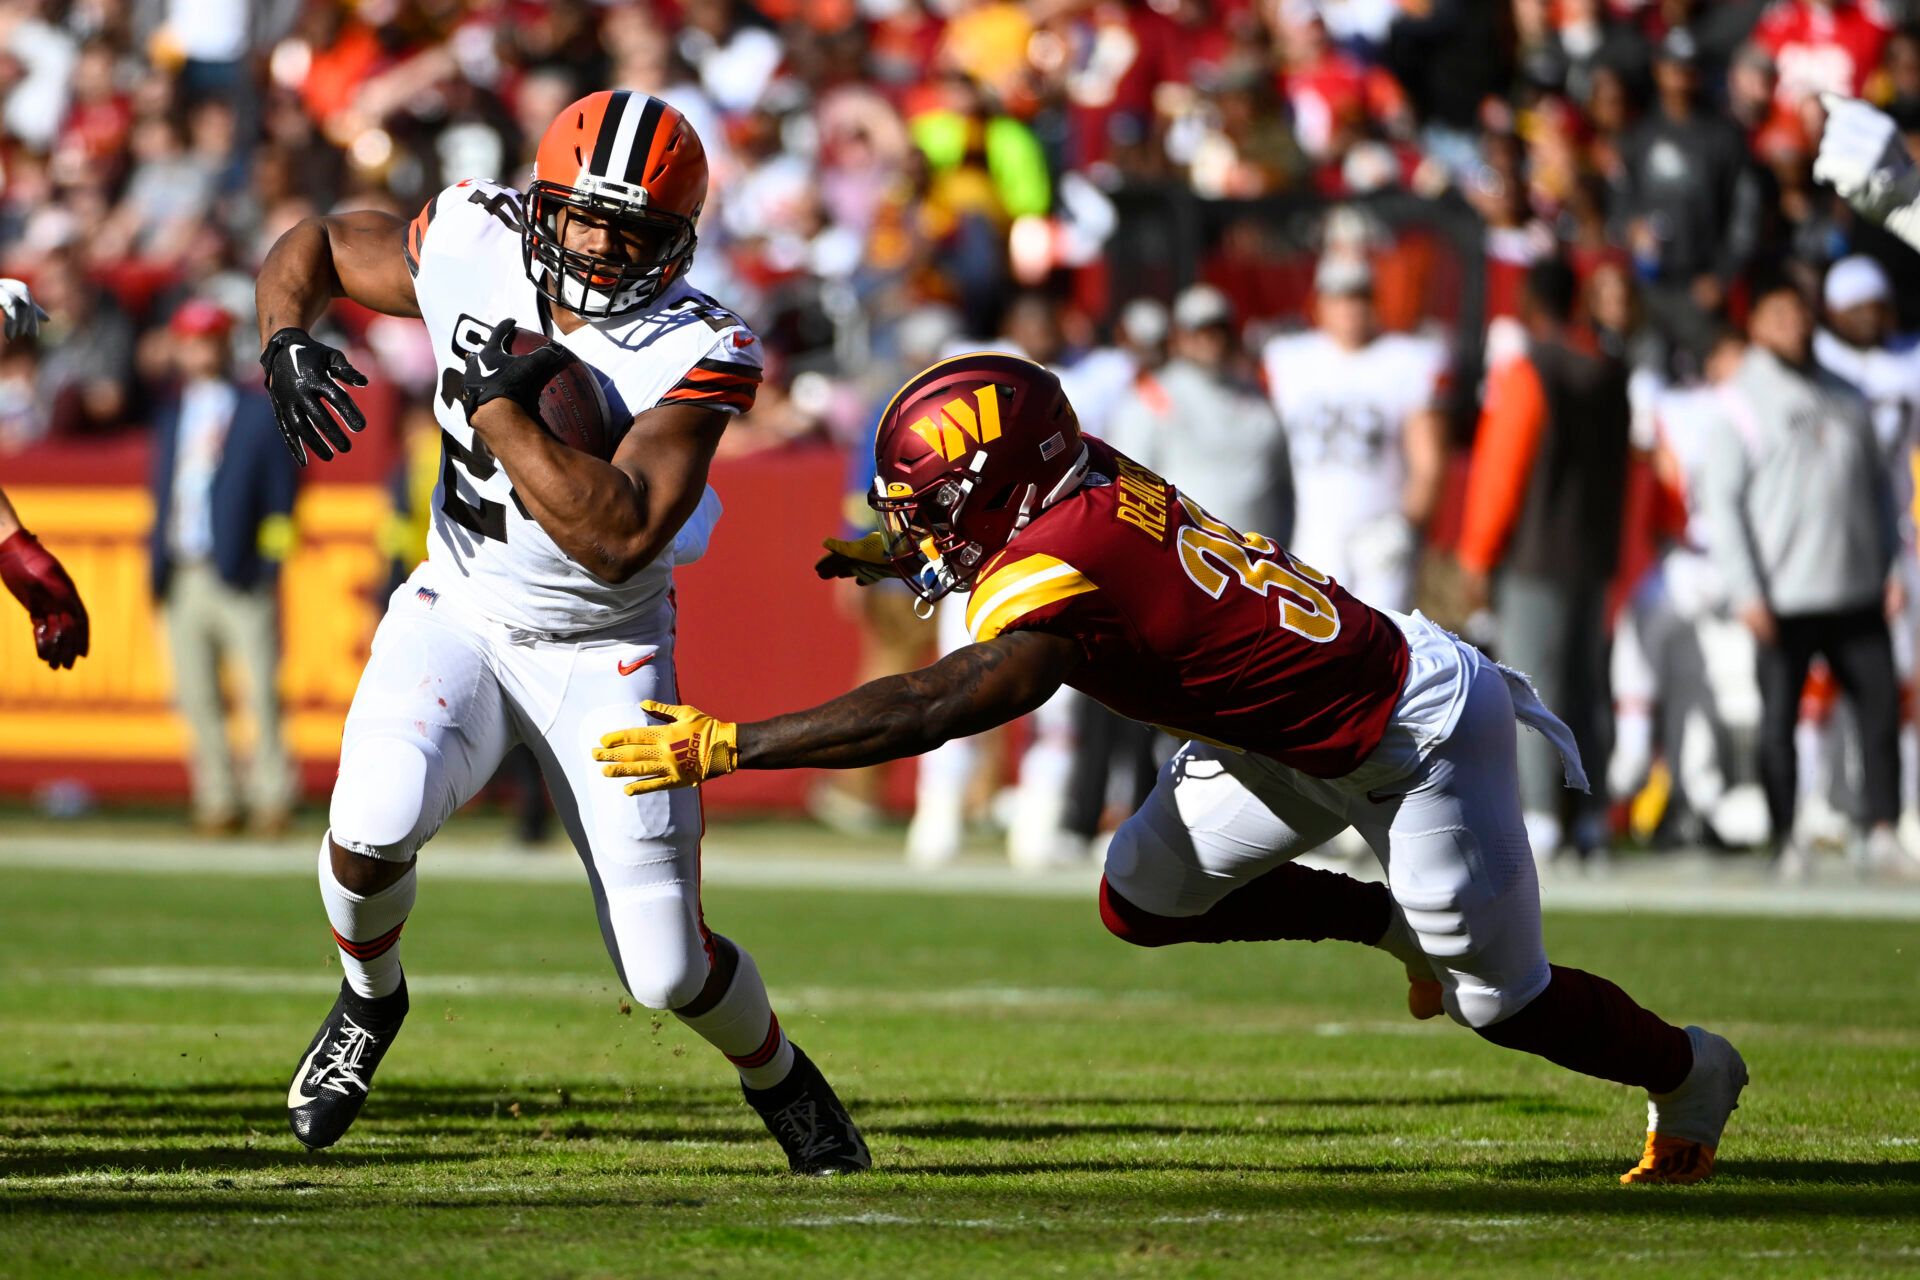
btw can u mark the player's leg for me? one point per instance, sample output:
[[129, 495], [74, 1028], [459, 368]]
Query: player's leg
[[1208, 858], [426, 729], [642, 855], [1460, 868]]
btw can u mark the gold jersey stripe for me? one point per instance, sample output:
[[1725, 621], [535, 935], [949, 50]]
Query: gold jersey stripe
[[1019, 589]]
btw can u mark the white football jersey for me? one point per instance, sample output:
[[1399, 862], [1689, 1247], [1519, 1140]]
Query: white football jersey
[[1344, 414], [1685, 421], [469, 274]]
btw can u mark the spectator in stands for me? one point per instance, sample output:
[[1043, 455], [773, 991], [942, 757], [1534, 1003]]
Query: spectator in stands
[[1821, 46], [1204, 427], [1692, 201], [1803, 528], [223, 487], [1543, 510], [86, 365]]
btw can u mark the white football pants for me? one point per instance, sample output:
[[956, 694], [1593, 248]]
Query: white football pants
[[447, 692], [1449, 835]]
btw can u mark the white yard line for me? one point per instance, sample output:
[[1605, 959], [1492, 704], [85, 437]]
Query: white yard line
[[591, 987], [1684, 885]]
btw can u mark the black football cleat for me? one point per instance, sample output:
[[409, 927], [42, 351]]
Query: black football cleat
[[807, 1119], [333, 1079]]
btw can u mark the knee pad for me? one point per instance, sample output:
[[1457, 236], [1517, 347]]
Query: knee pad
[[380, 800], [664, 984], [658, 947], [1484, 944], [1129, 923]]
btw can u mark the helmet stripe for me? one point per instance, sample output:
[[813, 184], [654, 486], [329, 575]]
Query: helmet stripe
[[613, 122], [642, 146]]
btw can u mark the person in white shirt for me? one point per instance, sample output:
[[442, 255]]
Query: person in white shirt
[[1361, 409]]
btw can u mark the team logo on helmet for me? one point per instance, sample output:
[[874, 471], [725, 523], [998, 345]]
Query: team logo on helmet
[[960, 428]]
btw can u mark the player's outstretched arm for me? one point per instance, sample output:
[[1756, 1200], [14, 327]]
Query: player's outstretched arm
[[968, 691], [359, 255]]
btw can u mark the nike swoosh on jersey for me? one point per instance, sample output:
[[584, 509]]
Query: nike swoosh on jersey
[[628, 668], [296, 1099]]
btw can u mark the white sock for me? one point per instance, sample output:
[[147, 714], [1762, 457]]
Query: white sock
[[367, 929], [743, 1027]]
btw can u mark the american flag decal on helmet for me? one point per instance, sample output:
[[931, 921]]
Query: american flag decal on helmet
[[1050, 447]]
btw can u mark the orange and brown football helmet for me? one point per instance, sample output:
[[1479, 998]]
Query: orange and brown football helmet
[[967, 453], [629, 161]]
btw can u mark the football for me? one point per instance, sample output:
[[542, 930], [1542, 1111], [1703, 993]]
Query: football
[[573, 405]]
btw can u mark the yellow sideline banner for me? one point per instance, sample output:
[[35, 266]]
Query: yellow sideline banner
[[113, 711]]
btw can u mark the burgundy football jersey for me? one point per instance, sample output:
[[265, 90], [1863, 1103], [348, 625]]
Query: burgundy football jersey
[[1188, 624]]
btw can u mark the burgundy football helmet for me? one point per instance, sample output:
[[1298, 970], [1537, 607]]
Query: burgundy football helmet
[[966, 454]]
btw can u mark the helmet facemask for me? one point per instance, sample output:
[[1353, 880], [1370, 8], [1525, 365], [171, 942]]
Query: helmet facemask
[[921, 542], [598, 286]]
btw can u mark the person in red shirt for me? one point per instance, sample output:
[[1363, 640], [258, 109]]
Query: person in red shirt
[[1305, 712], [1822, 46]]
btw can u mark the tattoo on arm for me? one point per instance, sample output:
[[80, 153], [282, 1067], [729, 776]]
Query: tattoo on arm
[[966, 692]]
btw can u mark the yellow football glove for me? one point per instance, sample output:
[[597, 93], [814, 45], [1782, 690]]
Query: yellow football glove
[[684, 752], [864, 561]]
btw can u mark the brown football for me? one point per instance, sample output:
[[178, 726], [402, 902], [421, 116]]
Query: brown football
[[573, 405]]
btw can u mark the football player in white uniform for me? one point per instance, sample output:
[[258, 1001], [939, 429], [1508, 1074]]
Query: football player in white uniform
[[1362, 415], [544, 611]]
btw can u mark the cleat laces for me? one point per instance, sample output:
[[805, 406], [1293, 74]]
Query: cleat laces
[[339, 1071], [798, 1125]]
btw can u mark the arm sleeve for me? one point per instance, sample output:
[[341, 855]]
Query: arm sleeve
[[1024, 595], [727, 377], [1723, 500], [1511, 424]]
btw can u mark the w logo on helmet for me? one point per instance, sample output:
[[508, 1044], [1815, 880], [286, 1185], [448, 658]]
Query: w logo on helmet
[[959, 428]]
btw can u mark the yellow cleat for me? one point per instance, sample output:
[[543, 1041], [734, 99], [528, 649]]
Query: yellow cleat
[[1684, 1127], [1672, 1160], [1423, 998]]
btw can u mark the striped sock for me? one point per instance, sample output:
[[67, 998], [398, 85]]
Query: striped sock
[[367, 928], [742, 1025]]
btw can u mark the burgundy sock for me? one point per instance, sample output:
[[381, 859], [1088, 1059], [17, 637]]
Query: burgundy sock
[[1290, 903], [1586, 1024]]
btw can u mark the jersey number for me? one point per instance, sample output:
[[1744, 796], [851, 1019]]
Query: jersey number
[[486, 518], [1214, 554]]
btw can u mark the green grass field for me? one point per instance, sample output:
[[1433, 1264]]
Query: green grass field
[[1040, 1099]]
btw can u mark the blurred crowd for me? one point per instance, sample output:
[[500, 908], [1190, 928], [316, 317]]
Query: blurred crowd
[[1329, 360]]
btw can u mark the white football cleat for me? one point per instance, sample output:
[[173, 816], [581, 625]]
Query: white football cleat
[[1684, 1127]]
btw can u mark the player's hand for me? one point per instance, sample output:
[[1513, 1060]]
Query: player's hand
[[864, 560], [303, 378], [1862, 157], [24, 315], [684, 752], [495, 373], [39, 582]]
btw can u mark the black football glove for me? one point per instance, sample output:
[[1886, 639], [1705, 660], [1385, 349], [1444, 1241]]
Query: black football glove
[[303, 378], [495, 373]]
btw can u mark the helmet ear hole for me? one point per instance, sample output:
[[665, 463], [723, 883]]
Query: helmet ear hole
[[1000, 499]]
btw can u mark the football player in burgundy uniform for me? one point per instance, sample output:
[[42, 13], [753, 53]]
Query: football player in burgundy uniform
[[545, 605], [1305, 710]]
